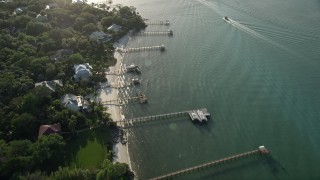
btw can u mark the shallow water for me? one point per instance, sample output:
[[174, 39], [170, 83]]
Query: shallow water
[[258, 75]]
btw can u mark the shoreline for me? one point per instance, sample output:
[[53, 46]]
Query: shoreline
[[115, 110]]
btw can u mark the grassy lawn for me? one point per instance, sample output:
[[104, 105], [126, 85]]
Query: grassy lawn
[[88, 149]]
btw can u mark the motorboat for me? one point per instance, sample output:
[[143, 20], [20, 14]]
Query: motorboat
[[226, 18]]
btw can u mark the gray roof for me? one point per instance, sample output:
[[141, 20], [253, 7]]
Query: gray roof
[[82, 71], [74, 102]]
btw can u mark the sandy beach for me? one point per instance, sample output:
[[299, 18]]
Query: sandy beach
[[112, 94]]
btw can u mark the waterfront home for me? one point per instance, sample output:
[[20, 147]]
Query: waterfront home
[[61, 54], [73, 102], [51, 85], [6, 1], [41, 18], [82, 72], [78, 1], [100, 37], [49, 129], [18, 11], [114, 27], [52, 6]]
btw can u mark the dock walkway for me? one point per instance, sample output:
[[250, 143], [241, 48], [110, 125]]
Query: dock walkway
[[261, 150], [166, 23], [148, 48], [158, 117], [154, 33]]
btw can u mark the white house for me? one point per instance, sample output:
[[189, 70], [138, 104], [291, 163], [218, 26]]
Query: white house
[[52, 6], [73, 102], [6, 1], [50, 84], [82, 72], [114, 27], [41, 18], [100, 36], [78, 1], [18, 11]]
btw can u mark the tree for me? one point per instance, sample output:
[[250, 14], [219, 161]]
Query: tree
[[89, 28], [76, 59], [38, 65], [114, 171], [36, 28], [76, 173], [72, 124], [21, 21], [107, 21], [24, 126], [38, 175], [51, 71], [18, 156], [28, 49], [49, 149]]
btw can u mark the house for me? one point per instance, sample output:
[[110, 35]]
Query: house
[[52, 6], [6, 1], [73, 102], [18, 11], [50, 84], [78, 1], [100, 36], [114, 27], [61, 54], [49, 129], [82, 72], [41, 18]]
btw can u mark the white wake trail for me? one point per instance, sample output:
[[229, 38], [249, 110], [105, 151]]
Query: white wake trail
[[245, 29], [259, 36]]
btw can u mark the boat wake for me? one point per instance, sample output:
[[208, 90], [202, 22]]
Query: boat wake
[[245, 29], [259, 36]]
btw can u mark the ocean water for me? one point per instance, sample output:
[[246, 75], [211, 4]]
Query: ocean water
[[258, 75]]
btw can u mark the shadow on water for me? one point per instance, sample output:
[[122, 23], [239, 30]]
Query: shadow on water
[[276, 167], [206, 126]]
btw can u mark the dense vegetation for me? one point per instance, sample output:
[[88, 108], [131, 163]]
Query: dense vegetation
[[26, 45]]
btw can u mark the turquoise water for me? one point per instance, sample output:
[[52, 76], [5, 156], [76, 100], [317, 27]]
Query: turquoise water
[[258, 75]]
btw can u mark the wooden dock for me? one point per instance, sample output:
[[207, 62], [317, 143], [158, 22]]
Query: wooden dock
[[166, 23], [261, 150], [141, 98], [148, 48], [156, 117], [154, 33]]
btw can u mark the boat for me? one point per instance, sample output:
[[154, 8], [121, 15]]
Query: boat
[[133, 68], [135, 80], [194, 116], [201, 115], [226, 18]]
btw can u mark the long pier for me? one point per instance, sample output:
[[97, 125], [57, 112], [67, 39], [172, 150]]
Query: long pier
[[261, 150], [154, 33], [166, 23], [157, 117], [148, 48]]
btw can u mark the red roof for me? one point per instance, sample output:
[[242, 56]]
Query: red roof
[[49, 129]]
